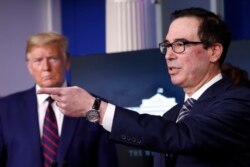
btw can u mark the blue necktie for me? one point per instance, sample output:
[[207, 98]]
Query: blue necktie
[[185, 109], [50, 137]]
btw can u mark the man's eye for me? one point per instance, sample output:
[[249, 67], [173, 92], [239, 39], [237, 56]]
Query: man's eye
[[168, 45], [179, 44], [37, 60], [54, 59]]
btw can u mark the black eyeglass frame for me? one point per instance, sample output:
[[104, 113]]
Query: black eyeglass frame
[[165, 45]]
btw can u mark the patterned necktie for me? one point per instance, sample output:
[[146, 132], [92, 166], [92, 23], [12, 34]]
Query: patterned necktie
[[185, 108], [50, 137]]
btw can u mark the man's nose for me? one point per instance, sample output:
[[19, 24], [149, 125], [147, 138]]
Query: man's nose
[[170, 54], [45, 64]]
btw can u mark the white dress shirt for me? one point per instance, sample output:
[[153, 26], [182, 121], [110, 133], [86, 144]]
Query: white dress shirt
[[42, 105], [108, 117]]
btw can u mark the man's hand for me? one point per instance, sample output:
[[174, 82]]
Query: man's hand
[[72, 101]]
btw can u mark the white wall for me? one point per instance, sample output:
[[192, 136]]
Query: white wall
[[18, 20]]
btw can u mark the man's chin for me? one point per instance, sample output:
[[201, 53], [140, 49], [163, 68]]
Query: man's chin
[[175, 81]]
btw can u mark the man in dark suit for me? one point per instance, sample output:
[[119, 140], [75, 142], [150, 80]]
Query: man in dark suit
[[210, 129], [22, 143]]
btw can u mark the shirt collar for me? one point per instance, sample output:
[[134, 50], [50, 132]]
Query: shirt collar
[[200, 91], [42, 97]]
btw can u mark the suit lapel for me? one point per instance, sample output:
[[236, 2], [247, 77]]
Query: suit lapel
[[208, 95], [173, 112], [68, 130], [216, 89], [30, 115]]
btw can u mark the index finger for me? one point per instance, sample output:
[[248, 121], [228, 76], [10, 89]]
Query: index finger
[[52, 91]]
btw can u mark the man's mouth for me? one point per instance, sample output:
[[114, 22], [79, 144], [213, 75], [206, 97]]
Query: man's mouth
[[173, 70]]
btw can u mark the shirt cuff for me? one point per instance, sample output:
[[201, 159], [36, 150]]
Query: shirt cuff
[[108, 117]]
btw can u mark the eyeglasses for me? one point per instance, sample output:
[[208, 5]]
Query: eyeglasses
[[177, 46]]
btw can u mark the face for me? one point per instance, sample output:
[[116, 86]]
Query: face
[[194, 67], [47, 65]]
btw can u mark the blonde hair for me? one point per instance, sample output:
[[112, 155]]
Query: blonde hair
[[47, 38]]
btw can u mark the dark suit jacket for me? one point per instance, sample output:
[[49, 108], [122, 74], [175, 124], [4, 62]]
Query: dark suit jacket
[[82, 144], [216, 133]]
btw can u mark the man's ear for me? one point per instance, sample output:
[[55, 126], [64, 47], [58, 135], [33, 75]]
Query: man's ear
[[216, 51]]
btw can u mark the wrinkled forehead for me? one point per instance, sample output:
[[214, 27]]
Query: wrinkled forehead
[[183, 28]]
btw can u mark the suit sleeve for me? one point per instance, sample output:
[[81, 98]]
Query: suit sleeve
[[220, 124]]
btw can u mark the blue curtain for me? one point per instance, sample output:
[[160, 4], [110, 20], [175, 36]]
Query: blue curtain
[[83, 23], [237, 15]]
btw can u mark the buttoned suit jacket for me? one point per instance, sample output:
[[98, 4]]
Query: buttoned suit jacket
[[216, 133], [82, 144]]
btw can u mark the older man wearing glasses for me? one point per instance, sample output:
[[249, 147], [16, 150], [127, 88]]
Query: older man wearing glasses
[[211, 128]]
